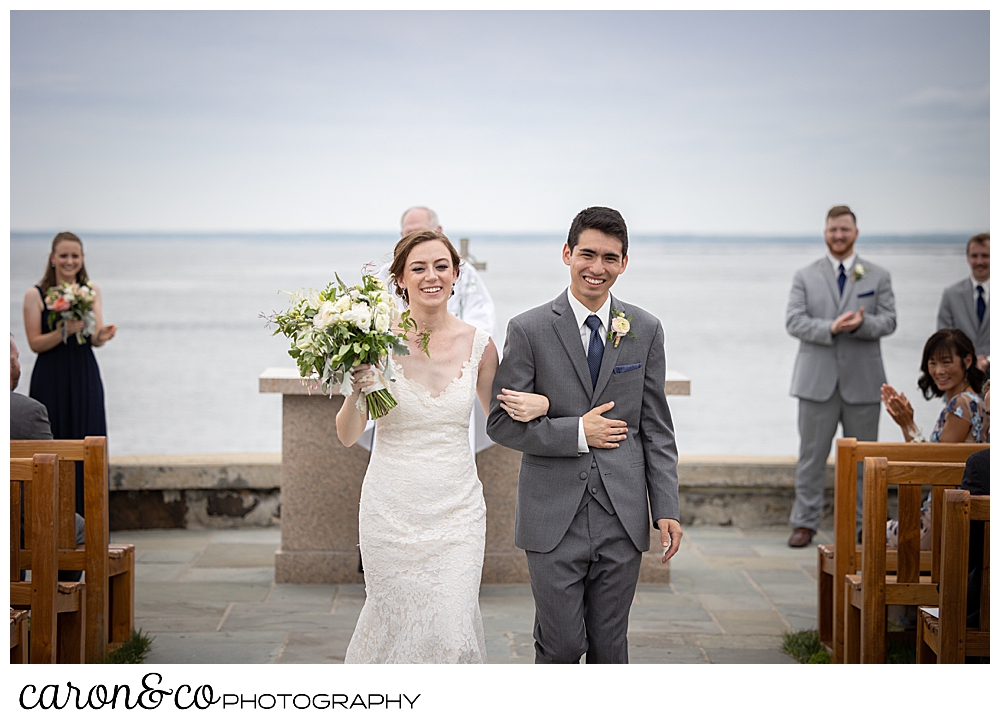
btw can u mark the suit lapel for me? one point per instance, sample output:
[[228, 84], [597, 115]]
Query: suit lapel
[[569, 335], [611, 354]]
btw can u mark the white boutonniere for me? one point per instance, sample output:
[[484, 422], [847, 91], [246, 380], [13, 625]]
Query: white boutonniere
[[620, 326], [859, 272]]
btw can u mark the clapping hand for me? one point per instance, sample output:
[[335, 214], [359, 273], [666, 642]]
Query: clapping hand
[[898, 407], [104, 334], [848, 321], [523, 406]]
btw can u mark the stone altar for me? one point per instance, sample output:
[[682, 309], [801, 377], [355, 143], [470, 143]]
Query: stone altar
[[321, 489]]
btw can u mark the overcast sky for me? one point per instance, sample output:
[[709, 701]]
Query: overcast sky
[[704, 122]]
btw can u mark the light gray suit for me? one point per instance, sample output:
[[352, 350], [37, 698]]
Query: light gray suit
[[584, 518], [958, 311], [837, 378]]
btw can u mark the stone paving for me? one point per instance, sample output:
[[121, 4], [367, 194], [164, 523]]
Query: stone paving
[[209, 597]]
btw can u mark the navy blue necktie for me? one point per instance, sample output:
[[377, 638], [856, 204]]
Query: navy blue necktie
[[980, 303], [841, 279], [595, 352]]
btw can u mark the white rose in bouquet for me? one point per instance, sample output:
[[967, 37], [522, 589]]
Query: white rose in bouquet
[[326, 316], [360, 315]]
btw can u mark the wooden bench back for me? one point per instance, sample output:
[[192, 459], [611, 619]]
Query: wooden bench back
[[93, 453], [34, 481], [849, 452], [959, 510], [93, 557], [909, 478]]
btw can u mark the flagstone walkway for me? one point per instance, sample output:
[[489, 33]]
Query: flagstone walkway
[[209, 597]]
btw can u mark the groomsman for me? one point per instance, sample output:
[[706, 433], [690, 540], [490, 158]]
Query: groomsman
[[839, 308], [965, 305]]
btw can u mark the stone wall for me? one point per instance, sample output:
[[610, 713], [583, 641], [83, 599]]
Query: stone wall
[[244, 489]]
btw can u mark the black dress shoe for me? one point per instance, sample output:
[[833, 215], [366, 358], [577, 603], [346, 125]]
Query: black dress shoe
[[801, 537]]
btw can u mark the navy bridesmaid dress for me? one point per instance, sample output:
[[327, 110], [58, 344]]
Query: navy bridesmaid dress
[[67, 381]]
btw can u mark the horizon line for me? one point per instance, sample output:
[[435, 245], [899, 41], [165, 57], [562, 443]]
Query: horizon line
[[560, 232]]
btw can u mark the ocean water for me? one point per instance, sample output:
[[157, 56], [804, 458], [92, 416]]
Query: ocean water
[[181, 374]]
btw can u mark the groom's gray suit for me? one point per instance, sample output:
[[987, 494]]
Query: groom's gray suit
[[593, 506], [837, 378]]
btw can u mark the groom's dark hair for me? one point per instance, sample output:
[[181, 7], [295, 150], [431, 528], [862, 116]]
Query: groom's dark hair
[[600, 218]]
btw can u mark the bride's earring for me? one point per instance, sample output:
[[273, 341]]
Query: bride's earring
[[406, 295]]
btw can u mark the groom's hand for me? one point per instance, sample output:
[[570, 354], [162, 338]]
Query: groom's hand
[[602, 432], [670, 537]]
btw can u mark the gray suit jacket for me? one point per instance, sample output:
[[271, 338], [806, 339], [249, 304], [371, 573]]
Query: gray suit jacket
[[29, 420], [851, 361], [958, 311], [543, 354]]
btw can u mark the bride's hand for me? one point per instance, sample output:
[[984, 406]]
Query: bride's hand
[[523, 406], [363, 376]]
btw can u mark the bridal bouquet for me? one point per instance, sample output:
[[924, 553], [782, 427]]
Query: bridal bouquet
[[333, 330], [69, 302]]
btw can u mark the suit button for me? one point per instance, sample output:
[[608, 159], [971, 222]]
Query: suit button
[[583, 476], [593, 464], [594, 491]]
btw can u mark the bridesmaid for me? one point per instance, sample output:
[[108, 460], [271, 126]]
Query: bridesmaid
[[66, 378]]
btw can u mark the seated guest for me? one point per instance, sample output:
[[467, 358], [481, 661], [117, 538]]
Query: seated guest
[[29, 420], [966, 304], [949, 370]]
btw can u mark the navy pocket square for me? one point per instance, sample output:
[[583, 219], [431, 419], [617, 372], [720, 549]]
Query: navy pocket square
[[627, 368], [867, 294]]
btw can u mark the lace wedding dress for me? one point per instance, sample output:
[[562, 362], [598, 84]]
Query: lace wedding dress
[[423, 529]]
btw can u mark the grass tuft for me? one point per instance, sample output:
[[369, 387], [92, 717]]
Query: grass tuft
[[805, 647], [132, 651]]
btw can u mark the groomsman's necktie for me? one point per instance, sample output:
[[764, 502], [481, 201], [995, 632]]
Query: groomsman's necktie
[[841, 279], [595, 352], [980, 303]]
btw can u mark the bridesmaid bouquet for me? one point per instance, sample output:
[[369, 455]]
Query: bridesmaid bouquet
[[333, 330], [69, 302]]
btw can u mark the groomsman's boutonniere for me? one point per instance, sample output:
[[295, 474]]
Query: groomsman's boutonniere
[[620, 326], [859, 272]]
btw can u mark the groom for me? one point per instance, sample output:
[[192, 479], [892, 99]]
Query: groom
[[605, 448]]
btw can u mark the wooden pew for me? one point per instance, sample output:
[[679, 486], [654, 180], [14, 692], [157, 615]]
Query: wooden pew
[[844, 556], [109, 569], [942, 636], [18, 636], [867, 595], [58, 610]]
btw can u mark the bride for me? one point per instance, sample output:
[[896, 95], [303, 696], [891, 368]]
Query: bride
[[422, 524]]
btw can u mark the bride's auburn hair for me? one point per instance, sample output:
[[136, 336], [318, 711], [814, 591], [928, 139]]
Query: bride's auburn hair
[[405, 245]]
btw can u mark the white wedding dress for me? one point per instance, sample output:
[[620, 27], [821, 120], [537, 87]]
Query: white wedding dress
[[422, 529]]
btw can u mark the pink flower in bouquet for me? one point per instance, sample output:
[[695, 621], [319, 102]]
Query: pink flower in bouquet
[[60, 305]]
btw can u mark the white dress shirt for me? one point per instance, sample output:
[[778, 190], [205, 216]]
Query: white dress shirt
[[848, 264], [582, 313]]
